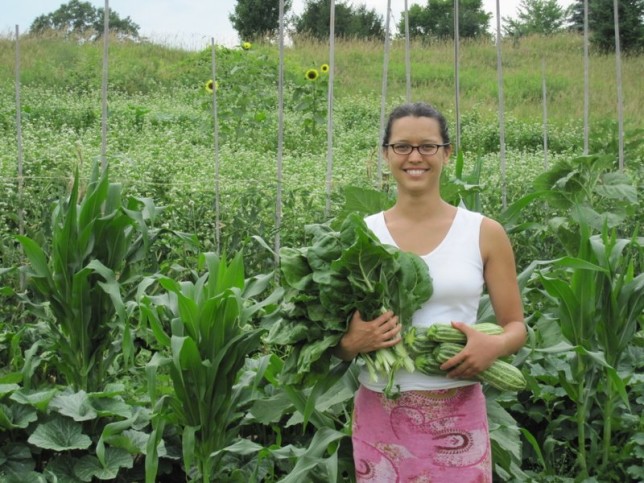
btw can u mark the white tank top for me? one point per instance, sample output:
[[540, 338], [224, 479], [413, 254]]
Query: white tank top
[[456, 268]]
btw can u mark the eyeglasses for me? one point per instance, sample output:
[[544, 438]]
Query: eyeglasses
[[405, 149]]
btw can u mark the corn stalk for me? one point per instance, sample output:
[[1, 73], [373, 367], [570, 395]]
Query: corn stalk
[[210, 337], [77, 282]]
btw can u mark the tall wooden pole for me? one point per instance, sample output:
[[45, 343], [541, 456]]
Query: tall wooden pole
[[383, 95], [620, 95], [457, 83], [499, 71], [329, 128], [215, 118], [106, 40]]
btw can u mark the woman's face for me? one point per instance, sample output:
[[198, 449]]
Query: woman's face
[[416, 172]]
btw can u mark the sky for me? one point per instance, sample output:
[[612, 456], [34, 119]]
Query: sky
[[191, 24]]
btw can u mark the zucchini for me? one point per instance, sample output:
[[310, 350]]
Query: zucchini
[[447, 333], [416, 341], [501, 375], [426, 364]]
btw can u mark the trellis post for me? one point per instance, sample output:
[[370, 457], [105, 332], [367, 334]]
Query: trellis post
[[280, 138], [407, 56], [457, 89], [499, 70], [216, 145], [21, 212], [106, 39], [620, 96], [329, 129], [383, 98]]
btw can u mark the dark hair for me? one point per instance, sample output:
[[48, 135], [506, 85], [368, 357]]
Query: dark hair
[[416, 109]]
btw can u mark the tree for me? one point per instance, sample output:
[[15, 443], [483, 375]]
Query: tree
[[601, 23], [544, 17], [255, 19], [436, 19], [360, 22], [83, 19]]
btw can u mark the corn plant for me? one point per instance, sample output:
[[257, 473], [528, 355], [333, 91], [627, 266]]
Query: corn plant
[[76, 283], [596, 295], [211, 335]]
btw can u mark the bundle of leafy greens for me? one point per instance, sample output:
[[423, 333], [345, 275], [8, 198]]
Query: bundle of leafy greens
[[326, 282]]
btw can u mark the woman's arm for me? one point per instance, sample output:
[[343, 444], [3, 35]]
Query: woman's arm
[[500, 277]]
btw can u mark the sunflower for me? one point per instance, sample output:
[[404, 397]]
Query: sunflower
[[324, 68], [246, 45], [211, 86], [311, 74]]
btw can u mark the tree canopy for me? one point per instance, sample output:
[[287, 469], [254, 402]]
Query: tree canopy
[[255, 19], [83, 19], [436, 19], [601, 23], [359, 22], [544, 17]]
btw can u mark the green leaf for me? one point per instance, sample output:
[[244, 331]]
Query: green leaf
[[60, 434], [16, 459], [89, 467], [37, 257], [8, 389], [17, 416], [38, 399], [75, 405], [62, 468]]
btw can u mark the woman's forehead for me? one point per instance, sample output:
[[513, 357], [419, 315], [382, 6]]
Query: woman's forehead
[[416, 125]]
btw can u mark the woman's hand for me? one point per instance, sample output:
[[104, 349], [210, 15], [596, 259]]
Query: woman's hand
[[367, 336], [480, 351]]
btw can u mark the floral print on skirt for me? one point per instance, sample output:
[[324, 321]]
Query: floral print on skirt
[[423, 436]]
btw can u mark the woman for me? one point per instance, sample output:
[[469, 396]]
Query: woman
[[437, 429]]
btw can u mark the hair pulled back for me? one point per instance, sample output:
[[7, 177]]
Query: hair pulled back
[[416, 109]]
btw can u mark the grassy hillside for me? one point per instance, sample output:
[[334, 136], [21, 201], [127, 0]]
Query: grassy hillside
[[143, 67], [160, 135]]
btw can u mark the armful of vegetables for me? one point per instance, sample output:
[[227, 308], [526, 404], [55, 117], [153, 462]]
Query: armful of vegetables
[[438, 343], [327, 281]]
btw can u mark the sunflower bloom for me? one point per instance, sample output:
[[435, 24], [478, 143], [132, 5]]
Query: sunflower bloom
[[324, 68], [211, 86], [311, 74], [246, 45]]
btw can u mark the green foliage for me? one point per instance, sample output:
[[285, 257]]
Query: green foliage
[[601, 23], [257, 19], [84, 20], [98, 246], [536, 17], [326, 281], [211, 336], [436, 20], [350, 22]]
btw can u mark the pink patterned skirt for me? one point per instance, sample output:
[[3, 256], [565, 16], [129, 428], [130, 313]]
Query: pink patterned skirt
[[423, 436]]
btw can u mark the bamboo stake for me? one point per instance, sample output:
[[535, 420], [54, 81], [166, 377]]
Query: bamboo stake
[[21, 212], [329, 129], [280, 138], [545, 113], [620, 95], [383, 98], [586, 80], [106, 39], [216, 145], [457, 89], [407, 56], [499, 70]]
